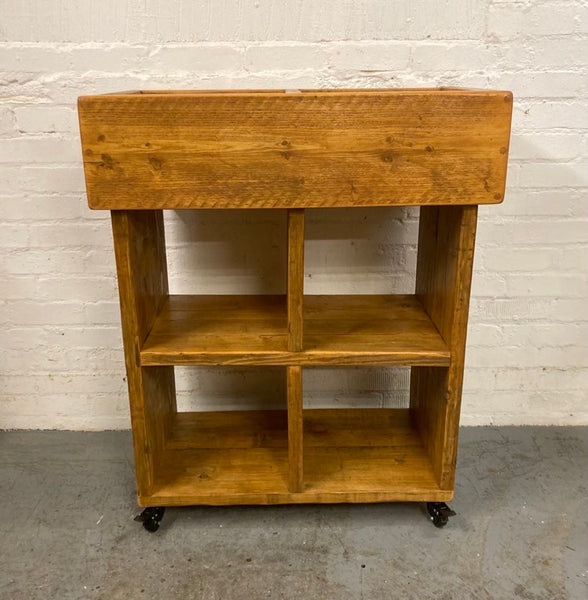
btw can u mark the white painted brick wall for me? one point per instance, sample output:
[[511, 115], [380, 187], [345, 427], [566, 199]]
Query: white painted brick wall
[[61, 359]]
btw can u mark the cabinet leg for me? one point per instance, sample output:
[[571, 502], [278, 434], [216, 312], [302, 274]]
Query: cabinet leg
[[151, 517], [439, 513]]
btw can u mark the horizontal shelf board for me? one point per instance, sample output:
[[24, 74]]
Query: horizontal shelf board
[[221, 329], [345, 330], [371, 326], [351, 455]]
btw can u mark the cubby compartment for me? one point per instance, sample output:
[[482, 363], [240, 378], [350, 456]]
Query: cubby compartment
[[355, 453], [367, 455], [361, 251], [229, 449], [226, 252], [207, 324], [229, 457]]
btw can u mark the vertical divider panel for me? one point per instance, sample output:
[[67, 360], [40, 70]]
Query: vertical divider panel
[[139, 245], [443, 280], [295, 429], [295, 292]]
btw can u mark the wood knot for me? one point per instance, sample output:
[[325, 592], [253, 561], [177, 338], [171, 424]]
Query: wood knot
[[387, 156], [155, 163], [107, 161]]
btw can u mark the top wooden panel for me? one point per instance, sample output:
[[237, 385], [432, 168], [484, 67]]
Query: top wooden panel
[[300, 149]]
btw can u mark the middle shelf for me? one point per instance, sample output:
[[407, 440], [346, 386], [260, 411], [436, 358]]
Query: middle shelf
[[253, 330]]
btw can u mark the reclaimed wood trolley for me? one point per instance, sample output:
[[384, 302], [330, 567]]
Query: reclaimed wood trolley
[[444, 150]]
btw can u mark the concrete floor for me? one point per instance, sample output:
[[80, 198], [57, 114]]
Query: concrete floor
[[67, 530]]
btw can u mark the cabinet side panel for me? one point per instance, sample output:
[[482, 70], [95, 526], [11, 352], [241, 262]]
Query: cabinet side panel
[[142, 280], [444, 271]]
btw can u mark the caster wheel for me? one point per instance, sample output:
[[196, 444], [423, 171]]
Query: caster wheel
[[151, 525], [439, 513], [438, 521], [151, 517]]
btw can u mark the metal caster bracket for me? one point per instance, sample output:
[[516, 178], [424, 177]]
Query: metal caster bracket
[[151, 517], [439, 513]]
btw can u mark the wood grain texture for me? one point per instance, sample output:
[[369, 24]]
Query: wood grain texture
[[295, 429], [142, 278], [444, 271], [350, 330], [295, 278], [229, 429], [210, 329], [310, 149], [370, 329], [342, 427], [352, 455]]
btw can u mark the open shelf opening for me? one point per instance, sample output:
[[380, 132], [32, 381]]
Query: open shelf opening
[[356, 387], [361, 250], [226, 252], [229, 435], [239, 388], [226, 408], [361, 437], [366, 453]]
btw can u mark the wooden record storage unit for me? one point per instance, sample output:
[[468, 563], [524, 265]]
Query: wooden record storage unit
[[444, 150]]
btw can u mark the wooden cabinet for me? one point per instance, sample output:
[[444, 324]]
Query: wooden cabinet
[[442, 149]]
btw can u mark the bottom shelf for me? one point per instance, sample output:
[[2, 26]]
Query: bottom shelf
[[355, 455]]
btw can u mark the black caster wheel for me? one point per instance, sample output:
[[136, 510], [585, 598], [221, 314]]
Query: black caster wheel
[[439, 513], [151, 517]]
